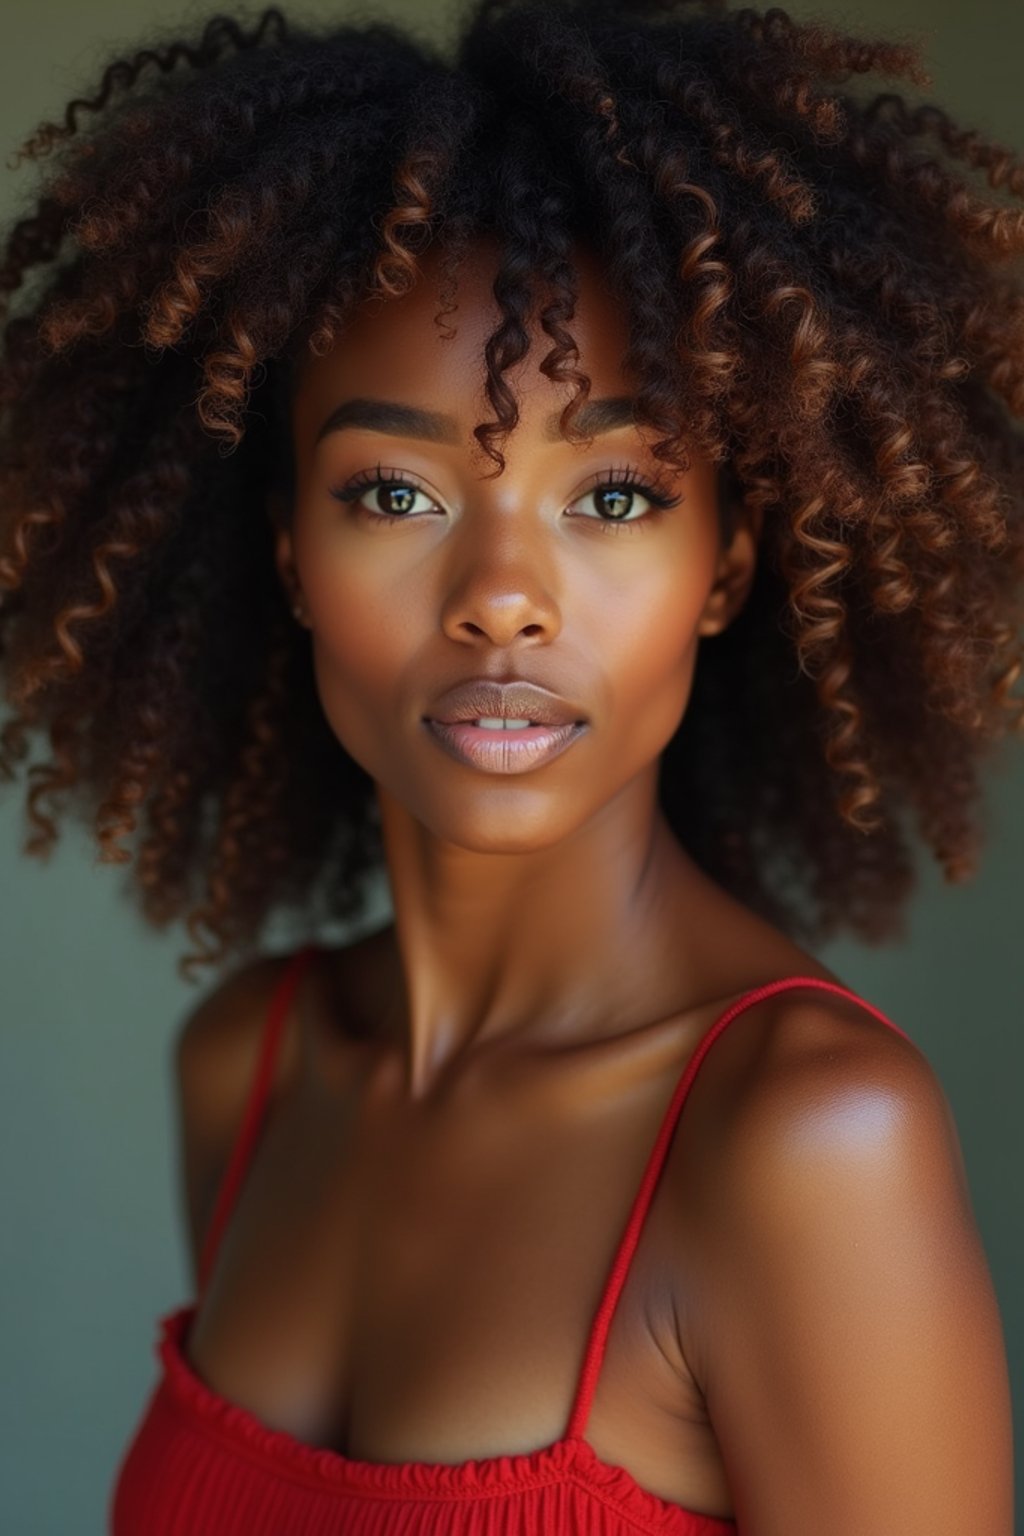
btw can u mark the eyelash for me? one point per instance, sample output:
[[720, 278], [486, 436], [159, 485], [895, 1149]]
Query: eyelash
[[611, 479]]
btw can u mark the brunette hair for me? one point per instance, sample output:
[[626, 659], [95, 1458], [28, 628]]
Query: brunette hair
[[825, 308]]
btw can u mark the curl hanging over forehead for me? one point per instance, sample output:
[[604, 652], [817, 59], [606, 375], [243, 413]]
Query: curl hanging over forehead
[[821, 281]]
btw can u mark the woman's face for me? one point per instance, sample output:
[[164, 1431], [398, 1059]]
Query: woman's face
[[442, 575]]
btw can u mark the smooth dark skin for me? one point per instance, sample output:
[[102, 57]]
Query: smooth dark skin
[[809, 1339]]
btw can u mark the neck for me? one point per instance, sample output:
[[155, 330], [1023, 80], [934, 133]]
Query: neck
[[556, 946]]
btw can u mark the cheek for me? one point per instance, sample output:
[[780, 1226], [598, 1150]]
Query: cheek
[[649, 642], [363, 637]]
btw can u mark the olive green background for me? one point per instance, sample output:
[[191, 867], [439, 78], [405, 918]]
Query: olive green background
[[91, 1230]]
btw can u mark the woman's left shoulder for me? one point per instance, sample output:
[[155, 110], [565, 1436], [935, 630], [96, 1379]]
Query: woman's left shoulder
[[834, 1027], [836, 1083], [845, 1329]]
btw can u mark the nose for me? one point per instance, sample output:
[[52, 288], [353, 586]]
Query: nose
[[501, 590]]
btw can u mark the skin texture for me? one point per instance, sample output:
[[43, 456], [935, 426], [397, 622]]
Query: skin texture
[[809, 1338]]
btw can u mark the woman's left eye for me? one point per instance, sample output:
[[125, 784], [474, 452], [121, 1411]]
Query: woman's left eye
[[618, 497], [615, 492]]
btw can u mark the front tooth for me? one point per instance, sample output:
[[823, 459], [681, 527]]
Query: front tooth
[[498, 723]]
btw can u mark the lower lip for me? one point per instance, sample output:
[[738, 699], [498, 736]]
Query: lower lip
[[503, 751]]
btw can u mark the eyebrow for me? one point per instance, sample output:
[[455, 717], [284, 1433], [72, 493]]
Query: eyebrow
[[399, 420]]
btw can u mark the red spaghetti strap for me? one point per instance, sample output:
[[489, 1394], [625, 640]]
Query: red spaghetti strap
[[620, 1265], [263, 1077]]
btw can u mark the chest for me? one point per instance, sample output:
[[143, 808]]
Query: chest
[[412, 1288]]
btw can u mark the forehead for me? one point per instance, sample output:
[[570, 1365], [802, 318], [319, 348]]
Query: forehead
[[392, 349]]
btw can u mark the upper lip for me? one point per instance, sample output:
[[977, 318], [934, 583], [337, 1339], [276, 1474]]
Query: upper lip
[[478, 697]]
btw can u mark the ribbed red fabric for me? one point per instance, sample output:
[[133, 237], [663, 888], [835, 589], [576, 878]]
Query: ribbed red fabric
[[199, 1465]]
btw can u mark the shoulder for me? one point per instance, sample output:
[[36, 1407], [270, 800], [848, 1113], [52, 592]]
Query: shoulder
[[216, 1050], [823, 1098], [843, 1325], [826, 1075], [798, 1067], [218, 1041]]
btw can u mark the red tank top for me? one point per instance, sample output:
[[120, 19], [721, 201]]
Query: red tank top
[[200, 1465]]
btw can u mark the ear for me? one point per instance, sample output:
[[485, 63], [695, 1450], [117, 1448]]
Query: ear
[[284, 559], [737, 566]]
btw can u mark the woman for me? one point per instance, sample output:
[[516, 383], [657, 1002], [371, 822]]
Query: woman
[[743, 583]]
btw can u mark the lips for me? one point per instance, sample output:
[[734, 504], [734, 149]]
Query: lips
[[480, 698], [504, 751]]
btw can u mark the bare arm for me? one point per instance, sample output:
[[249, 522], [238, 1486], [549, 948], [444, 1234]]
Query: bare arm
[[852, 1353]]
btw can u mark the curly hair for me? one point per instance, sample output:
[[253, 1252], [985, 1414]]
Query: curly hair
[[827, 311]]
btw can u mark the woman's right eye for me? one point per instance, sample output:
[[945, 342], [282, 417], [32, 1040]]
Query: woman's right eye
[[398, 493]]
